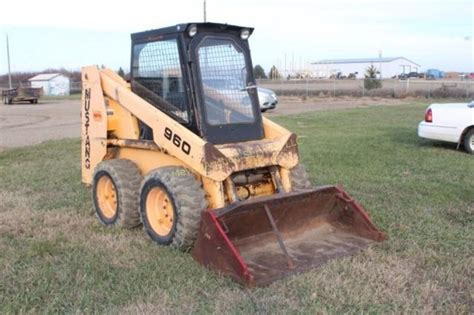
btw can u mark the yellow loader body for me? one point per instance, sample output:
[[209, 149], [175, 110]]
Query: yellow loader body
[[244, 208]]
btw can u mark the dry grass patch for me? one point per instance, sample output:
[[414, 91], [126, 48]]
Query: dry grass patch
[[56, 258]]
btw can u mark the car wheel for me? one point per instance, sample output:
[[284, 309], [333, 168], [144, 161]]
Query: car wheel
[[469, 141], [263, 110]]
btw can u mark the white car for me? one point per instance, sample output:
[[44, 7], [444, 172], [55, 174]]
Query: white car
[[267, 99], [451, 123]]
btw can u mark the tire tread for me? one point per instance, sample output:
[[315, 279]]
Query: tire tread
[[189, 198], [127, 179]]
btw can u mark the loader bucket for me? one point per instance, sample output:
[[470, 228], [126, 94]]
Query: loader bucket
[[260, 240]]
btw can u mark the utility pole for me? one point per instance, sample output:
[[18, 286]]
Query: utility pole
[[204, 7], [292, 62], [380, 59], [9, 71]]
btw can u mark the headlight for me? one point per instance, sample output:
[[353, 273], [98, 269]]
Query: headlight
[[192, 30], [244, 34]]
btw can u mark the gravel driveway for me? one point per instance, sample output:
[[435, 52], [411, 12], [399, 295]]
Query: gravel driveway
[[27, 124]]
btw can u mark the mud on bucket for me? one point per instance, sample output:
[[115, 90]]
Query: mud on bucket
[[261, 240]]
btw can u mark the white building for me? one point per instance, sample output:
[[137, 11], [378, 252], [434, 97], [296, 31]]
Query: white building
[[54, 84], [388, 67]]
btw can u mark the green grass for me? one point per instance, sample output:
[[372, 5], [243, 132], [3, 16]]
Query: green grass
[[55, 257]]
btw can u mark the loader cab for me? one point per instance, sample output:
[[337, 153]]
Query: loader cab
[[201, 75]]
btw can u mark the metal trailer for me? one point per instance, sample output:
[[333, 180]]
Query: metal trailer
[[21, 94]]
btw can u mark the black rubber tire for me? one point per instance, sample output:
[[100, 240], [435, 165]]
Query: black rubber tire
[[188, 200], [468, 141], [126, 178], [264, 110], [299, 178]]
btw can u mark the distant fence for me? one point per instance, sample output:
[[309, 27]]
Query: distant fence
[[391, 88], [355, 88]]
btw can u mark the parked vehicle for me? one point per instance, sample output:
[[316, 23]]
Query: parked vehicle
[[468, 76], [415, 75], [451, 123], [403, 76], [21, 94], [267, 99], [434, 74], [352, 75], [410, 75]]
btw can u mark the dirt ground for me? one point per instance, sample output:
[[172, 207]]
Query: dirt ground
[[25, 124]]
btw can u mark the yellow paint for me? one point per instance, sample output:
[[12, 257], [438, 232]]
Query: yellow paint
[[121, 122], [273, 130], [119, 109], [263, 189], [214, 193], [93, 133], [285, 179], [148, 160], [256, 154], [106, 197], [159, 121], [159, 211]]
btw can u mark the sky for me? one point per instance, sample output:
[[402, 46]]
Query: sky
[[54, 34]]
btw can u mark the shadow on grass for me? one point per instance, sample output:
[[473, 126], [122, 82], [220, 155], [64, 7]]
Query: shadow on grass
[[409, 138]]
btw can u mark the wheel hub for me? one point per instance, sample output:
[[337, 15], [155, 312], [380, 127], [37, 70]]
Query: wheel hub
[[107, 197], [160, 211]]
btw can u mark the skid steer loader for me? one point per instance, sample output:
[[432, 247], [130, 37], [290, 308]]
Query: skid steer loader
[[184, 150]]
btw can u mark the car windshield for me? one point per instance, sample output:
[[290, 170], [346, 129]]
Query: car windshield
[[223, 73]]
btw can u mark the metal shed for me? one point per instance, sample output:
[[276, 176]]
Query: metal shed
[[387, 67], [54, 84]]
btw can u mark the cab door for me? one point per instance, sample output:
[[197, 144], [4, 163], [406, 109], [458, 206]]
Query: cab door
[[226, 92]]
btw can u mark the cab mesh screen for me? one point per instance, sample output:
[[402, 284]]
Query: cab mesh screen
[[223, 72], [157, 77]]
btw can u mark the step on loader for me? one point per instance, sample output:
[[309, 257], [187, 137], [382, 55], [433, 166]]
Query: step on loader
[[183, 149]]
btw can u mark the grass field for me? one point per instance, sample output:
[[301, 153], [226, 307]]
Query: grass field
[[55, 256], [390, 88]]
